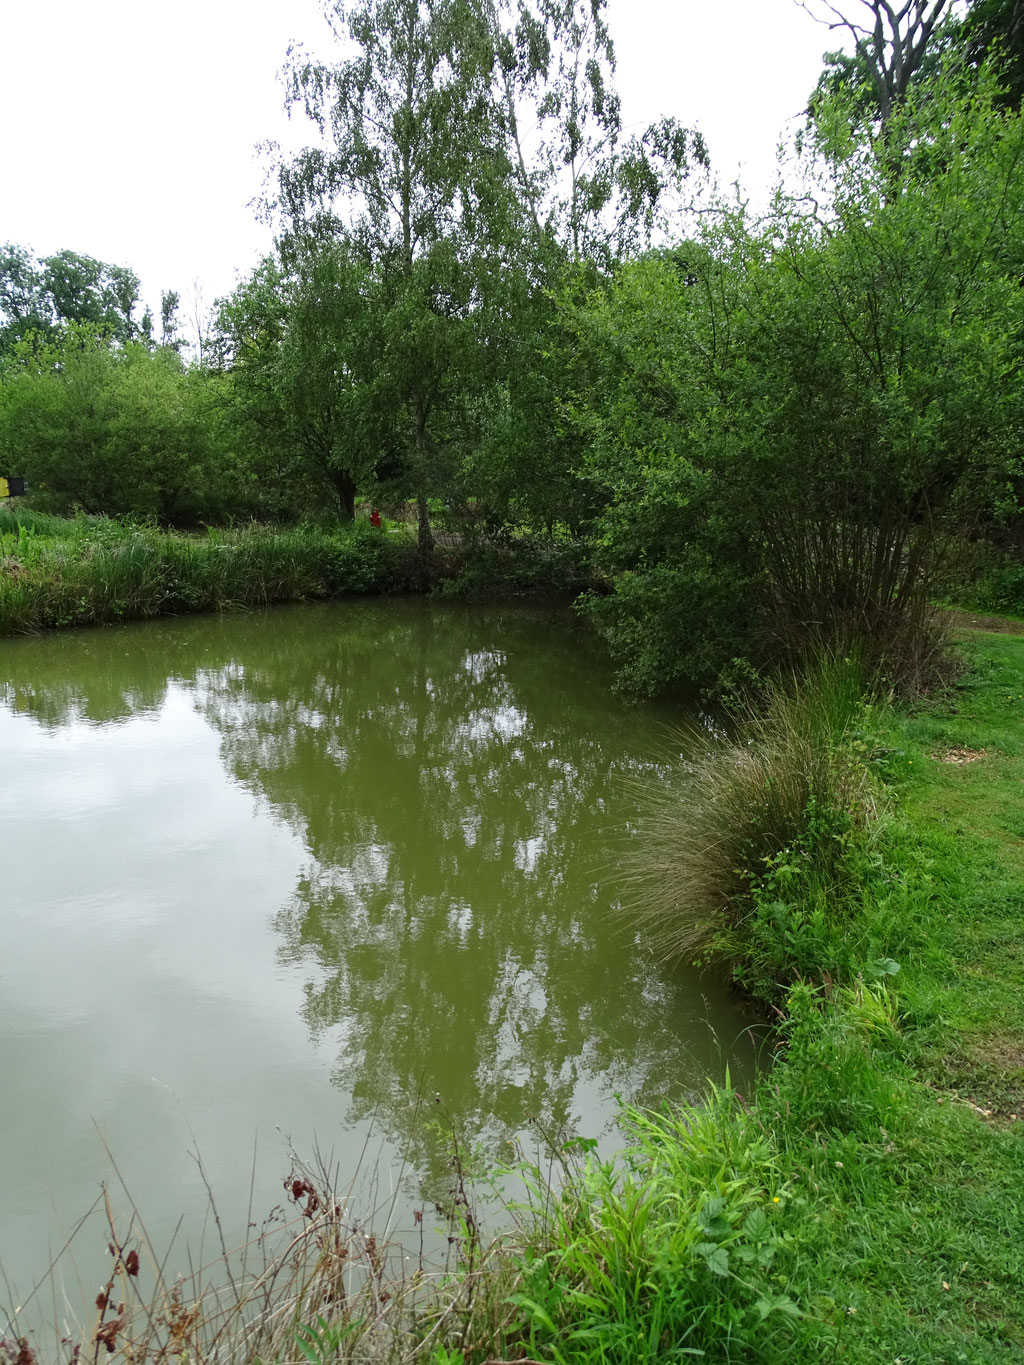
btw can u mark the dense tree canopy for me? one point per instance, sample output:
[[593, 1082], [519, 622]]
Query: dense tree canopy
[[789, 419], [422, 178], [120, 429], [40, 296], [892, 42]]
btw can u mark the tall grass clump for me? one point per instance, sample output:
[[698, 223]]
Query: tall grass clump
[[88, 570], [752, 849]]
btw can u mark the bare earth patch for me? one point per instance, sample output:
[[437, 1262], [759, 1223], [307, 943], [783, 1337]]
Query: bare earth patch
[[993, 1082], [959, 756], [973, 620]]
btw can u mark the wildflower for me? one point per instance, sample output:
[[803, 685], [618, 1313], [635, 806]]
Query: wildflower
[[775, 1199]]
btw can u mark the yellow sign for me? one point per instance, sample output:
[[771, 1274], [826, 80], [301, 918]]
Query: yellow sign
[[5, 491]]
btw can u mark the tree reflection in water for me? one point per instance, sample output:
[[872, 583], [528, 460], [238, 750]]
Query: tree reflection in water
[[454, 774], [455, 777]]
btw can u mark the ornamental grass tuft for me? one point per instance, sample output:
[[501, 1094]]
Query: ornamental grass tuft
[[783, 806]]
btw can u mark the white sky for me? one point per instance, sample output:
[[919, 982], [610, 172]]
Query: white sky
[[129, 127]]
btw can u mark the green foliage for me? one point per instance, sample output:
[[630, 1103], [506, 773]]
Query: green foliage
[[526, 563], [300, 337], [678, 1249], [405, 117], [987, 577], [1001, 590], [120, 430], [438, 362], [900, 49], [322, 1342], [40, 297], [787, 420], [992, 29]]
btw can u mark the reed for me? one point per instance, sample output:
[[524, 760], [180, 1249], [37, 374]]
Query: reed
[[324, 1278]]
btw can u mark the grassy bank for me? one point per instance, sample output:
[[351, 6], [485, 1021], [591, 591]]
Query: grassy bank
[[88, 570], [58, 571], [864, 1205]]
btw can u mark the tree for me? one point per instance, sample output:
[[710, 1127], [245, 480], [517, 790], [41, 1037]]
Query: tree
[[93, 294], [589, 190], [905, 46], [117, 429], [411, 152], [890, 45], [424, 177], [992, 30], [793, 420], [170, 301], [68, 287], [24, 305], [300, 341], [594, 197]]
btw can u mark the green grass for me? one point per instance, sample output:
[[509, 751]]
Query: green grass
[[84, 571], [971, 819]]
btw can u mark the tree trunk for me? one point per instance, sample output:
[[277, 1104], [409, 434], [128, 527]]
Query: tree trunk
[[345, 487], [426, 535]]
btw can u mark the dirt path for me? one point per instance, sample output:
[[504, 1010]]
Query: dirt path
[[973, 620]]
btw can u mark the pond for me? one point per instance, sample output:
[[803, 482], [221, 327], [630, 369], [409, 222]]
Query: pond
[[340, 876]]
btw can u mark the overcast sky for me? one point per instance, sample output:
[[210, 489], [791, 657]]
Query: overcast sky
[[130, 128]]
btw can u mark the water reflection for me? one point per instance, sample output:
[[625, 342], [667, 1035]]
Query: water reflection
[[456, 788], [453, 777]]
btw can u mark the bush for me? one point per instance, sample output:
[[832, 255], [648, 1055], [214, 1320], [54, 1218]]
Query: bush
[[123, 431], [681, 1249], [509, 564], [994, 581], [782, 445]]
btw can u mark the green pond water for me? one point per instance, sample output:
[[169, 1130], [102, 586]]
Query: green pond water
[[291, 877]]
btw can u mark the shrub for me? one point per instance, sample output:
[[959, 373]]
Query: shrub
[[783, 445]]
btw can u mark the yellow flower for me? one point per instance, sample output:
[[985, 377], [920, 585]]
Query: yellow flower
[[775, 1198]]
